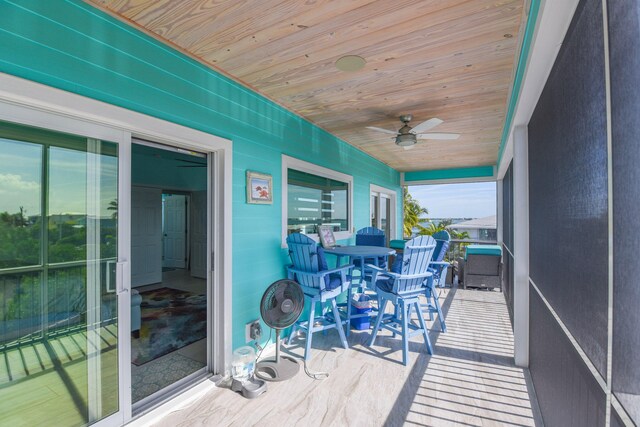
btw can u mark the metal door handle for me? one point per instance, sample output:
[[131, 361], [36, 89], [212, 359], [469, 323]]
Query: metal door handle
[[121, 269]]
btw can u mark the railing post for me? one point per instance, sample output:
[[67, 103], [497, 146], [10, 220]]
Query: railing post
[[521, 246]]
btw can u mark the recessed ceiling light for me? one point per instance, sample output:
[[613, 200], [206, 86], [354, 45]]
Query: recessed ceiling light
[[350, 63]]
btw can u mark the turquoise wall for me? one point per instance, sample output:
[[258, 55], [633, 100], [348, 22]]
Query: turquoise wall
[[74, 47], [444, 174]]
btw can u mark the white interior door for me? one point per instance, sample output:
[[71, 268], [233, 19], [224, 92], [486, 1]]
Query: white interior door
[[174, 231], [146, 235], [199, 234]]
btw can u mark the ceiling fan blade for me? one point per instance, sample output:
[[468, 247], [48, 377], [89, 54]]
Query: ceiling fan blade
[[424, 126], [390, 132], [438, 135]]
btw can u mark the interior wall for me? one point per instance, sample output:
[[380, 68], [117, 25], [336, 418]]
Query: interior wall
[[583, 194], [75, 47], [152, 167]]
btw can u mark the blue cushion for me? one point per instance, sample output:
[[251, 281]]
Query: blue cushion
[[397, 244], [483, 250], [322, 259], [385, 285], [333, 280], [397, 265], [370, 239]]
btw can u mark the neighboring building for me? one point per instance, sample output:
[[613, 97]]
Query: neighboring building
[[479, 228]]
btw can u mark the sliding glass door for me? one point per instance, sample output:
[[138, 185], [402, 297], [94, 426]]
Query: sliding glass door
[[58, 257], [382, 210]]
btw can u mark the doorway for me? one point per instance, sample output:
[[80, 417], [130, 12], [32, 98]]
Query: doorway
[[70, 291], [169, 320]]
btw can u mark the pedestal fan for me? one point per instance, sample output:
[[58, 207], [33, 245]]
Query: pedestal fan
[[280, 307]]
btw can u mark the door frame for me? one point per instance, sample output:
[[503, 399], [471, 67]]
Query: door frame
[[33, 104], [383, 192]]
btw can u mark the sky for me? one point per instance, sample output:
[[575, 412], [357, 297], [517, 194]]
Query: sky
[[21, 179], [468, 200]]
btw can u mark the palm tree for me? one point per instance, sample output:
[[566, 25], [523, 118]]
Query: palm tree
[[432, 229], [412, 213], [113, 206]]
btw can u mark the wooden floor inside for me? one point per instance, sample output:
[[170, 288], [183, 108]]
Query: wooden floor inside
[[470, 380]]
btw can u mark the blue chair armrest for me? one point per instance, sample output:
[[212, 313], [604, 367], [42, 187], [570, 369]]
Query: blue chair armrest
[[377, 271], [291, 272], [440, 263]]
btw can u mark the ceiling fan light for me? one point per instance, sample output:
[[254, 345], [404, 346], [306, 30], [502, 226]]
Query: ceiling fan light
[[405, 140]]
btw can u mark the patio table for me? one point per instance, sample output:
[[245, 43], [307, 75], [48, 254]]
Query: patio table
[[361, 252]]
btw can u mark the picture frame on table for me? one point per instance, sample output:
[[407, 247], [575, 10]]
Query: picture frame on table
[[259, 188], [326, 236]]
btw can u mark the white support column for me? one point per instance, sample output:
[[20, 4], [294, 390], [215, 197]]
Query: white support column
[[499, 211], [521, 245]]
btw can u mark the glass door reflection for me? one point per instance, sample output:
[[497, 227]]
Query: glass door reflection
[[58, 309]]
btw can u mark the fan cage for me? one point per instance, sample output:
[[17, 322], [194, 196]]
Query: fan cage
[[271, 304]]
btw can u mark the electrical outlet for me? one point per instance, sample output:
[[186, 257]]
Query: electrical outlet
[[255, 331], [252, 331]]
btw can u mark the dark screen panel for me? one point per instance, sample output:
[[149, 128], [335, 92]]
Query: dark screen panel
[[624, 33], [568, 394], [507, 282], [507, 238], [568, 185], [616, 421], [507, 208]]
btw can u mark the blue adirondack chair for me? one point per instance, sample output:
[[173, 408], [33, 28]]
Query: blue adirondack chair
[[403, 290], [370, 236], [438, 265], [439, 269], [320, 285]]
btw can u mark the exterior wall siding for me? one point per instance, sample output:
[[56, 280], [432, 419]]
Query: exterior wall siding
[[74, 47]]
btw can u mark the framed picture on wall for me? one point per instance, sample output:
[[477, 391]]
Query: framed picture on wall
[[259, 188]]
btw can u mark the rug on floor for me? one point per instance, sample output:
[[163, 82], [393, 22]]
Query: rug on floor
[[171, 319], [162, 372]]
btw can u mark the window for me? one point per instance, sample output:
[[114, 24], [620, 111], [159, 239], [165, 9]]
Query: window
[[315, 196]]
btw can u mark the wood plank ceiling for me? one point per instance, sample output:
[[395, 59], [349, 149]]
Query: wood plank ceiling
[[451, 59]]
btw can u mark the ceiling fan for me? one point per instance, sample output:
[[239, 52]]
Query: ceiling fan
[[407, 136]]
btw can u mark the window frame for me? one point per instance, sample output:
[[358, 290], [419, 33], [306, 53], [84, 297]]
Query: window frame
[[302, 166]]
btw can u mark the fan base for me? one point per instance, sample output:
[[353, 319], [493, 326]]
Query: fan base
[[270, 370]]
